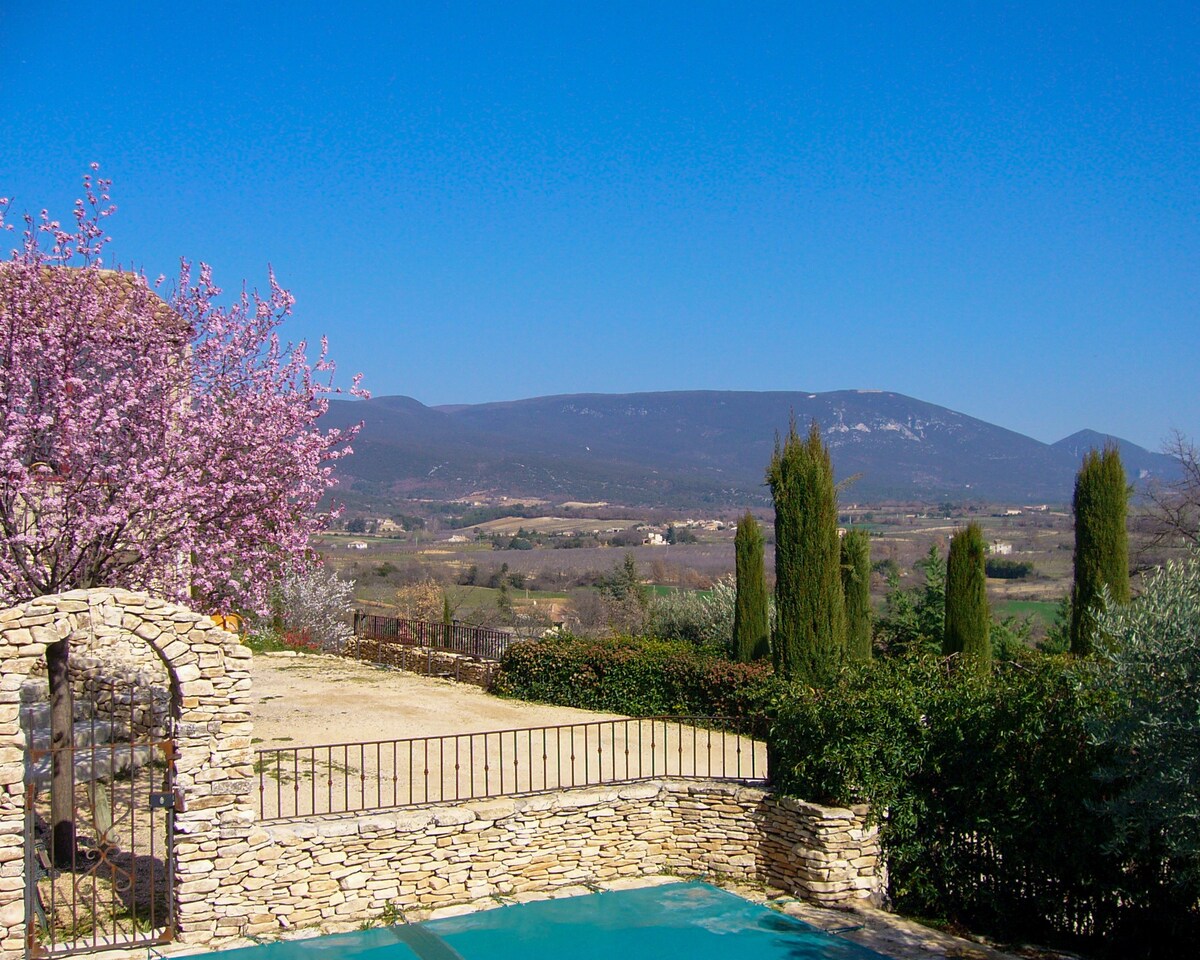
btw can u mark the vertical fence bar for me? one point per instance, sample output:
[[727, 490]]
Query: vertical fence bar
[[500, 744], [486, 778], [395, 775], [516, 765]]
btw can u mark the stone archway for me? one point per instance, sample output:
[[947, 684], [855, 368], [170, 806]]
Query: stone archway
[[209, 673]]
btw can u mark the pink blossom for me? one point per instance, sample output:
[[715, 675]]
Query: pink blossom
[[163, 445]]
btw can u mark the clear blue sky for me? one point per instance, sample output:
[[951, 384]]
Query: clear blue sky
[[995, 207]]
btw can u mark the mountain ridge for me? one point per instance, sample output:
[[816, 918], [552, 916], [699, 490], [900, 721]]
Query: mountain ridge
[[690, 448], [1139, 463]]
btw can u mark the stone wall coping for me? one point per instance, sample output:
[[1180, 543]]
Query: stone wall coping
[[410, 820]]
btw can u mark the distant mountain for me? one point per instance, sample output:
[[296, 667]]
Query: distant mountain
[[1139, 463], [699, 447]]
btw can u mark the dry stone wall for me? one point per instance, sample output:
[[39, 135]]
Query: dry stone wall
[[425, 660], [116, 677], [341, 871]]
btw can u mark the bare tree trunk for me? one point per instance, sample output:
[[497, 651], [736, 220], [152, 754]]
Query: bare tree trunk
[[62, 757]]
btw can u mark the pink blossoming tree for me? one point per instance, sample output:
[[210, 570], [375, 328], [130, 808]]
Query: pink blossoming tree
[[168, 444], [165, 444]]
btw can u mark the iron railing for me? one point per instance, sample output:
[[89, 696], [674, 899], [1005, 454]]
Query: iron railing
[[480, 642], [353, 777]]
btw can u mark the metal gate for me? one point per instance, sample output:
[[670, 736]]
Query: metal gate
[[98, 866]]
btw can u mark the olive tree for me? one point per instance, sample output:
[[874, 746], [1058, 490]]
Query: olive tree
[[1149, 661]]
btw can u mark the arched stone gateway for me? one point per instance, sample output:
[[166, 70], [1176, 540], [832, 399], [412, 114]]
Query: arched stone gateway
[[207, 673]]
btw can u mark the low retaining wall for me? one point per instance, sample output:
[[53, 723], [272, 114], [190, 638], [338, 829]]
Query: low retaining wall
[[339, 872], [426, 661]]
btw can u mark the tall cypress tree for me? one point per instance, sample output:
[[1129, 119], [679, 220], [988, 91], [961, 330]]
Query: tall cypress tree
[[751, 639], [1101, 542], [856, 586], [968, 621], [810, 615]]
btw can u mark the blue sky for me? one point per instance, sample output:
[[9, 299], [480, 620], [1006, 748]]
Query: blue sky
[[991, 206]]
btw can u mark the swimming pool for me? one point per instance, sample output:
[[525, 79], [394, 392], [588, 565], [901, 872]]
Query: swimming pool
[[675, 921]]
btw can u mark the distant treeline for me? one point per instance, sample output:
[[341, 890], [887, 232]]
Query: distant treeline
[[476, 515], [1002, 569]]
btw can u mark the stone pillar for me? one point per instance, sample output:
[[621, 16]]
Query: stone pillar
[[209, 674]]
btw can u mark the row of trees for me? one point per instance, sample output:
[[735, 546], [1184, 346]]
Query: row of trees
[[822, 594], [823, 579], [823, 600], [1111, 733]]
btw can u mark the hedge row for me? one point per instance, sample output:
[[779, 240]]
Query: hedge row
[[992, 789], [993, 794], [637, 677]]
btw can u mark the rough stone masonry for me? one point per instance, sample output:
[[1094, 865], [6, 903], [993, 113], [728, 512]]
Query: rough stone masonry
[[236, 876]]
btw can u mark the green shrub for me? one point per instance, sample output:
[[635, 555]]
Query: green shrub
[[633, 676], [703, 619], [913, 620], [988, 786], [1149, 657]]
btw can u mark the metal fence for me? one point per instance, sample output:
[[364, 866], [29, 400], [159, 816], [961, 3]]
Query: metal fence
[[480, 642], [350, 777]]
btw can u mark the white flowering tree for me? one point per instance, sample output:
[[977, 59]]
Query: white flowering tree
[[315, 605]]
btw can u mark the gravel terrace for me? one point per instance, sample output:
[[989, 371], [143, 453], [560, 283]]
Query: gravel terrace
[[344, 735], [308, 699]]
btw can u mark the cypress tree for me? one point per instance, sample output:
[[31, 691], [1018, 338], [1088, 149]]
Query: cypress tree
[[856, 586], [1101, 542], [751, 626], [968, 620], [810, 614]]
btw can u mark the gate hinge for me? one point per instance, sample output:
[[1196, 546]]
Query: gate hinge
[[167, 800]]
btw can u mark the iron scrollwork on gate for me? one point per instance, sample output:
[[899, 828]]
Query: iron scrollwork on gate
[[109, 882]]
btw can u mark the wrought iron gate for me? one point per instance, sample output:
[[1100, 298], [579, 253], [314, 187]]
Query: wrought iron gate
[[110, 883]]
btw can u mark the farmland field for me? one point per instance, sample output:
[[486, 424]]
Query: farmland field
[[487, 576], [1044, 612]]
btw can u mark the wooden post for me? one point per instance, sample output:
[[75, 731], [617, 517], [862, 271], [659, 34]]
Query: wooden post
[[62, 755]]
